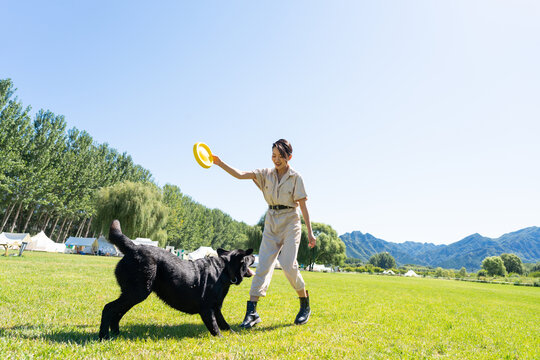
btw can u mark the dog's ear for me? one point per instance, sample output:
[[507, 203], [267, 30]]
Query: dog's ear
[[222, 252], [249, 252]]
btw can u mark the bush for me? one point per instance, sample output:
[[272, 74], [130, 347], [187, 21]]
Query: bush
[[481, 273], [535, 274]]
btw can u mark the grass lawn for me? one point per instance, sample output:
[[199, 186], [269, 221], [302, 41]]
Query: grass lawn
[[50, 307]]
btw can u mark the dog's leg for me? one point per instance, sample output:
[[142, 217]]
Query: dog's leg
[[114, 311], [222, 323], [106, 315], [209, 320]]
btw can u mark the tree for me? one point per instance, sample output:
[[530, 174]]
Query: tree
[[512, 263], [49, 177], [15, 137], [494, 266], [462, 272], [330, 249], [137, 206], [383, 260]]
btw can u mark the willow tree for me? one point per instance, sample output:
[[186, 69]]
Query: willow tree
[[330, 249], [139, 208]]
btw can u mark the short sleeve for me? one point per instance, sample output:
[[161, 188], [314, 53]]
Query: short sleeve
[[260, 177], [299, 190]]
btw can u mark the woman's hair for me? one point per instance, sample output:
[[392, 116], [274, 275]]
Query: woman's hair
[[284, 148]]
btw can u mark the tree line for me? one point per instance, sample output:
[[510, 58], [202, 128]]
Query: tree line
[[66, 184], [48, 176]]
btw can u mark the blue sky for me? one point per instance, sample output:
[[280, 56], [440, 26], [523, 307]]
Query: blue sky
[[410, 120]]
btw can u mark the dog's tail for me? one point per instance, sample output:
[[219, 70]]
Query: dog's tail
[[122, 242]]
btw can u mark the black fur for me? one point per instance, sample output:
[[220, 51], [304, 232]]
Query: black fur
[[194, 287]]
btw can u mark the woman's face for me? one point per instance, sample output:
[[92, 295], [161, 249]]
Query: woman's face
[[279, 161]]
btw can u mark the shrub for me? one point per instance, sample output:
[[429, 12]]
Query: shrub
[[481, 273], [535, 274]]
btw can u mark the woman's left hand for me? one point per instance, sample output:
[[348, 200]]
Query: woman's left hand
[[312, 240]]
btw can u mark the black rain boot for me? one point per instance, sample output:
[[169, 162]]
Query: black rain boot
[[305, 311], [252, 318]]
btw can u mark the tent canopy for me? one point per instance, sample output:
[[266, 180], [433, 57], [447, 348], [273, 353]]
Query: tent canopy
[[79, 241], [411, 273], [41, 242], [15, 237], [202, 252], [101, 245], [145, 241]]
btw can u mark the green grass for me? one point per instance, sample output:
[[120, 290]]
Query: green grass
[[50, 307]]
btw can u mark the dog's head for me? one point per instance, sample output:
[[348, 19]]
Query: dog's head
[[237, 263]]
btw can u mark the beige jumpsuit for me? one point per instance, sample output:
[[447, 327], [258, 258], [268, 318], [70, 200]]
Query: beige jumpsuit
[[282, 229]]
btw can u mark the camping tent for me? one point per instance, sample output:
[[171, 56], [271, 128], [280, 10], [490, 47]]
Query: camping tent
[[202, 252], [80, 245], [144, 241], [15, 239], [98, 246], [41, 242], [101, 246], [4, 239], [389, 272], [321, 268], [411, 273]]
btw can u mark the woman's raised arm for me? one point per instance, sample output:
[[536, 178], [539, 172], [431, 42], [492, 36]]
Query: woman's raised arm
[[244, 175]]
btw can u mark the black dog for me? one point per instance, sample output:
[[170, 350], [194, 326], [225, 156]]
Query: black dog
[[194, 287]]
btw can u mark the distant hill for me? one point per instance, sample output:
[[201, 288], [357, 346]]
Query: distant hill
[[468, 252]]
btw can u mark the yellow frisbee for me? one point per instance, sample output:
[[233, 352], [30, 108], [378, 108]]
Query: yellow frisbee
[[203, 155]]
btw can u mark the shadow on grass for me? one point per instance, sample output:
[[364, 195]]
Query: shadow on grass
[[83, 334]]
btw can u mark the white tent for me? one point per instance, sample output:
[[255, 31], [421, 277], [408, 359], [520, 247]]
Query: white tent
[[3, 239], [101, 246], [202, 252], [389, 272], [256, 262], [321, 268], [144, 241], [41, 242], [411, 273], [14, 239]]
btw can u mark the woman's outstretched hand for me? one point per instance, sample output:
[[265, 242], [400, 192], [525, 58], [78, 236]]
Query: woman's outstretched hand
[[217, 160]]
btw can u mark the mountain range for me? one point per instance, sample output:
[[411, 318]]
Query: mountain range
[[468, 252]]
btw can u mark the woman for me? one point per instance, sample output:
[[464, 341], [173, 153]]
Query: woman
[[283, 190]]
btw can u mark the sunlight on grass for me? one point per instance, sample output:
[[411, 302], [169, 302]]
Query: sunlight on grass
[[51, 308]]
